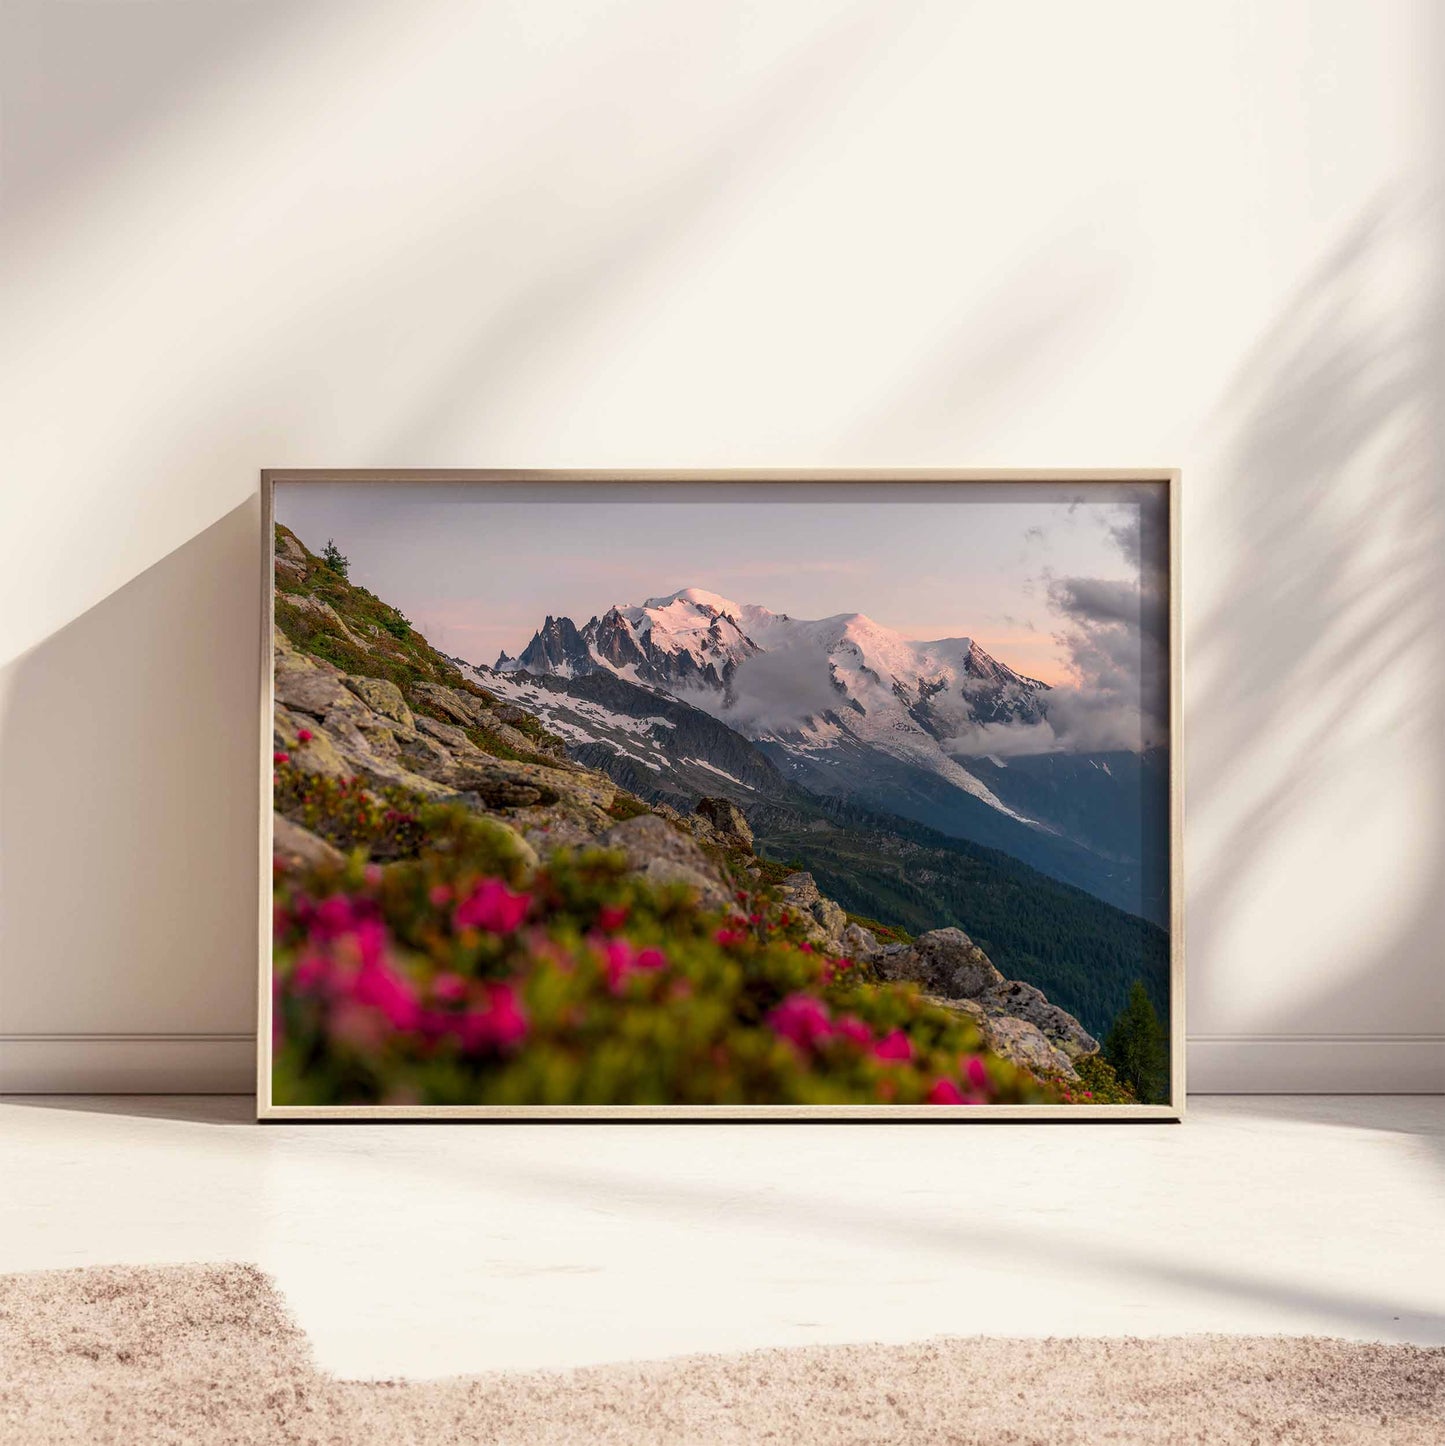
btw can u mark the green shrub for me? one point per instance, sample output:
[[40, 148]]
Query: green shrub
[[458, 977]]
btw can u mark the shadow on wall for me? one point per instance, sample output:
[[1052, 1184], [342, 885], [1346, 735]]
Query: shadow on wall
[[128, 785], [1317, 679]]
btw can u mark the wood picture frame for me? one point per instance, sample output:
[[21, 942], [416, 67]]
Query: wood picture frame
[[1157, 484]]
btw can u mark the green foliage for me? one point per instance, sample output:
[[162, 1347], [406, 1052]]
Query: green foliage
[[625, 806], [397, 625], [386, 823], [884, 933], [458, 977], [331, 556], [1099, 1085], [772, 872], [1138, 1048]]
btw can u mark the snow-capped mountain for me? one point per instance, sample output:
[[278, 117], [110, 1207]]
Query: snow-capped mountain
[[689, 640], [695, 693], [822, 694]]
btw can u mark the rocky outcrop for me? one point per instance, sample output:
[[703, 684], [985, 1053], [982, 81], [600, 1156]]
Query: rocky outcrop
[[364, 727], [944, 962], [1016, 1020], [857, 942], [1014, 999], [298, 847], [728, 822], [659, 852], [824, 920], [801, 890]]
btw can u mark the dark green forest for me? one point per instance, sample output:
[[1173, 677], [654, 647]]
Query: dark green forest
[[1083, 953]]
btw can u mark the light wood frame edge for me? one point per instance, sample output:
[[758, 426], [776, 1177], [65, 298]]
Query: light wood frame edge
[[719, 1114]]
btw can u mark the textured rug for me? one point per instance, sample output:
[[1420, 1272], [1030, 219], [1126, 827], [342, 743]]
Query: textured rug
[[201, 1354]]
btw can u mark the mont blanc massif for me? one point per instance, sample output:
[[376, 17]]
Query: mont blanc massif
[[846, 747]]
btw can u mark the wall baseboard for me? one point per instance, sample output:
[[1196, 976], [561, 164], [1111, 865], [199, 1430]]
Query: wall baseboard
[[1316, 1064], [185, 1064], [127, 1064]]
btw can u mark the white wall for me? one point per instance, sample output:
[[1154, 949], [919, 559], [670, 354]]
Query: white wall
[[239, 235]]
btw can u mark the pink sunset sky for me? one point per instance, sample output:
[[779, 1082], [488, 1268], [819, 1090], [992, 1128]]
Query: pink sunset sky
[[477, 567]]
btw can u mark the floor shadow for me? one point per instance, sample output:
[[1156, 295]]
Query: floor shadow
[[182, 1109], [128, 803]]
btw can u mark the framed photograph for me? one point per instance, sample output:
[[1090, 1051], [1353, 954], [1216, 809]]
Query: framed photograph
[[721, 795]]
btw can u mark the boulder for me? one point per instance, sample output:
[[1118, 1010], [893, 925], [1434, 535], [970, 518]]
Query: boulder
[[831, 920], [859, 943], [305, 688], [484, 785], [455, 705], [318, 755], [298, 847], [945, 962], [287, 546], [1015, 1040], [727, 819], [324, 614], [427, 757], [1017, 1000], [656, 851], [448, 734], [382, 697], [801, 890]]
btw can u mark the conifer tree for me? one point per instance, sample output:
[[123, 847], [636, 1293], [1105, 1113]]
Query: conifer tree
[[1138, 1048], [332, 557]]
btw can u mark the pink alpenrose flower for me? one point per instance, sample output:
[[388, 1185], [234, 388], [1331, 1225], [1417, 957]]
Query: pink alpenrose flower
[[894, 1047], [493, 907], [802, 1020]]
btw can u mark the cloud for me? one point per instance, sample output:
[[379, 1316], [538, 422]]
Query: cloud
[[777, 690], [1115, 635]]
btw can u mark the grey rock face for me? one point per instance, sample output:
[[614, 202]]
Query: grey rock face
[[727, 819], [460, 707], [945, 962], [1017, 1020], [657, 851], [801, 890], [382, 697], [857, 942], [299, 847], [831, 920], [448, 734], [1015, 1040], [1022, 1001], [305, 688]]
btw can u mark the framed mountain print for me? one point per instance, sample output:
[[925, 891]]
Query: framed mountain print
[[721, 795]]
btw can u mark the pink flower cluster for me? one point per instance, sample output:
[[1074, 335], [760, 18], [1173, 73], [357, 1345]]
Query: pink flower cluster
[[805, 1021], [622, 961], [348, 966], [492, 907], [948, 1092]]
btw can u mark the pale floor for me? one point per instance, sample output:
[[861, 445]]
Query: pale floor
[[431, 1249]]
